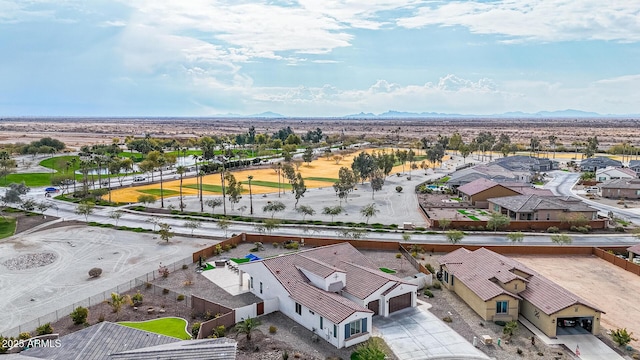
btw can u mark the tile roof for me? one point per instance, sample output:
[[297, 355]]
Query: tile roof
[[613, 170], [533, 202], [363, 278], [633, 184], [599, 161], [210, 349], [477, 269], [97, 342], [634, 249], [477, 186]]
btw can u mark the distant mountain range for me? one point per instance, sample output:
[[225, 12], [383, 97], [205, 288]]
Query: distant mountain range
[[391, 114]]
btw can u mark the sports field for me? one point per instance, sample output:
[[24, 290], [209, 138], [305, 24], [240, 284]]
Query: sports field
[[322, 172]]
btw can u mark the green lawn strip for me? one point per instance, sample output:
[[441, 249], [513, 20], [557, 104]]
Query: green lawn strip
[[240, 260], [388, 271], [313, 178], [216, 188], [156, 192], [473, 218], [174, 327], [463, 212], [271, 184], [35, 179], [189, 153], [136, 157], [60, 163], [7, 227]]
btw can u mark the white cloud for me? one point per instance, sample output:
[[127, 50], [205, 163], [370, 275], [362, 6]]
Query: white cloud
[[539, 20]]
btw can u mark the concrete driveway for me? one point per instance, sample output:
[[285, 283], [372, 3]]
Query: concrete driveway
[[418, 334], [591, 348]]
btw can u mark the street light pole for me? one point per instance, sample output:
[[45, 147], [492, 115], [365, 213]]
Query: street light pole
[[250, 177]]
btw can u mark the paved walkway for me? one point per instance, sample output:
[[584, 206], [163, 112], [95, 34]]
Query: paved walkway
[[591, 348], [418, 334]]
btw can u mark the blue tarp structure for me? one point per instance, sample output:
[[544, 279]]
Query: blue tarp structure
[[252, 257]]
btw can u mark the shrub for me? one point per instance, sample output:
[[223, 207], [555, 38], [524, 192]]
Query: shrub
[[398, 256], [430, 268], [619, 228], [194, 329], [44, 329], [414, 254], [428, 293], [180, 297], [272, 329], [101, 318], [24, 336], [137, 298], [165, 291], [553, 229], [436, 285], [399, 188], [519, 351], [95, 272], [447, 319], [218, 249], [220, 331], [227, 247], [275, 245], [622, 337], [148, 285], [163, 271], [500, 323], [79, 315], [185, 266]]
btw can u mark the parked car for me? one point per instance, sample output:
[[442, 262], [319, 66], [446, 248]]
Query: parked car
[[567, 322], [592, 190], [139, 178]]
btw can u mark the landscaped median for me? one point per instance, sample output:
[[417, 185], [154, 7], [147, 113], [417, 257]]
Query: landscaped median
[[169, 326]]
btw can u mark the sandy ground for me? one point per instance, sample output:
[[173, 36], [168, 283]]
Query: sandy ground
[[607, 286], [319, 168], [122, 255]]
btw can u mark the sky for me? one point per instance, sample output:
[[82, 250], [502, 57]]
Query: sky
[[317, 58]]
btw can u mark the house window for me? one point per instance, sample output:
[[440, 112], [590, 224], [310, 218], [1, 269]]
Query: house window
[[496, 207], [251, 282], [548, 216], [260, 287], [298, 309], [335, 330], [321, 323], [452, 277], [515, 286], [502, 307], [355, 327]]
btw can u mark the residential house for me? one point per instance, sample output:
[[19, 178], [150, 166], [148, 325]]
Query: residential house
[[478, 191], [499, 288], [633, 251], [526, 163], [599, 162], [332, 290], [527, 189], [490, 171], [635, 166], [621, 189], [612, 173], [542, 208], [109, 341]]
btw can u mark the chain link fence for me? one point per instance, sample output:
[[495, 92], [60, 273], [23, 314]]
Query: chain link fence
[[144, 280]]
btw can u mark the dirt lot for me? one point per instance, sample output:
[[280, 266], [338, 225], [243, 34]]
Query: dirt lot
[[607, 286]]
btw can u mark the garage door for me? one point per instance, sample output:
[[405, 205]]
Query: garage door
[[399, 302], [374, 306]]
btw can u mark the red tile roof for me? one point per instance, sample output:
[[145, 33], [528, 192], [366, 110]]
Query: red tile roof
[[332, 307], [634, 249], [477, 269], [477, 186]]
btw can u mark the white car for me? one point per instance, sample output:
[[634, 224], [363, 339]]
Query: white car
[[139, 178]]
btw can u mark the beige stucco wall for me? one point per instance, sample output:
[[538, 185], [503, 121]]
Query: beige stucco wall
[[486, 309], [514, 286], [547, 323], [494, 192]]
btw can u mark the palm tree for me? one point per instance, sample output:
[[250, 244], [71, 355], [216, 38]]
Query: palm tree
[[161, 163], [250, 177], [553, 142], [247, 327], [180, 170]]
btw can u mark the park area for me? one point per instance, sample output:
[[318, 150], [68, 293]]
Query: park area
[[320, 173], [605, 285]]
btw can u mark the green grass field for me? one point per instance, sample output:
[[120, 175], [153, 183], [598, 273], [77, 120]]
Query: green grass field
[[173, 327], [137, 157], [7, 227], [206, 187], [36, 179], [313, 178], [60, 163], [156, 192], [271, 184]]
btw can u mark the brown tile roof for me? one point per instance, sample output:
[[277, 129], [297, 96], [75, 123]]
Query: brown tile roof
[[633, 184], [477, 269], [634, 249], [477, 186], [362, 278], [333, 307], [533, 202]]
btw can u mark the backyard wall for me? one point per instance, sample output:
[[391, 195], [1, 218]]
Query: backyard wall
[[226, 318], [539, 225], [621, 263]]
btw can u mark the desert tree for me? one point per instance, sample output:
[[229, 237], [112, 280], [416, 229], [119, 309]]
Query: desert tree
[[515, 237], [406, 237], [117, 301], [298, 188], [165, 232], [369, 211], [345, 184], [377, 181], [305, 210], [454, 236], [561, 239], [332, 211], [85, 209], [498, 221], [181, 170], [234, 189], [116, 215], [193, 225], [214, 203], [273, 207], [147, 199], [444, 223], [271, 224], [307, 156], [223, 224]]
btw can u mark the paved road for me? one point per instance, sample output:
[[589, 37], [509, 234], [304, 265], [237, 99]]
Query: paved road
[[563, 183]]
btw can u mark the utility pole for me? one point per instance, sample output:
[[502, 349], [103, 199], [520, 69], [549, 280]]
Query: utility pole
[[250, 177]]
